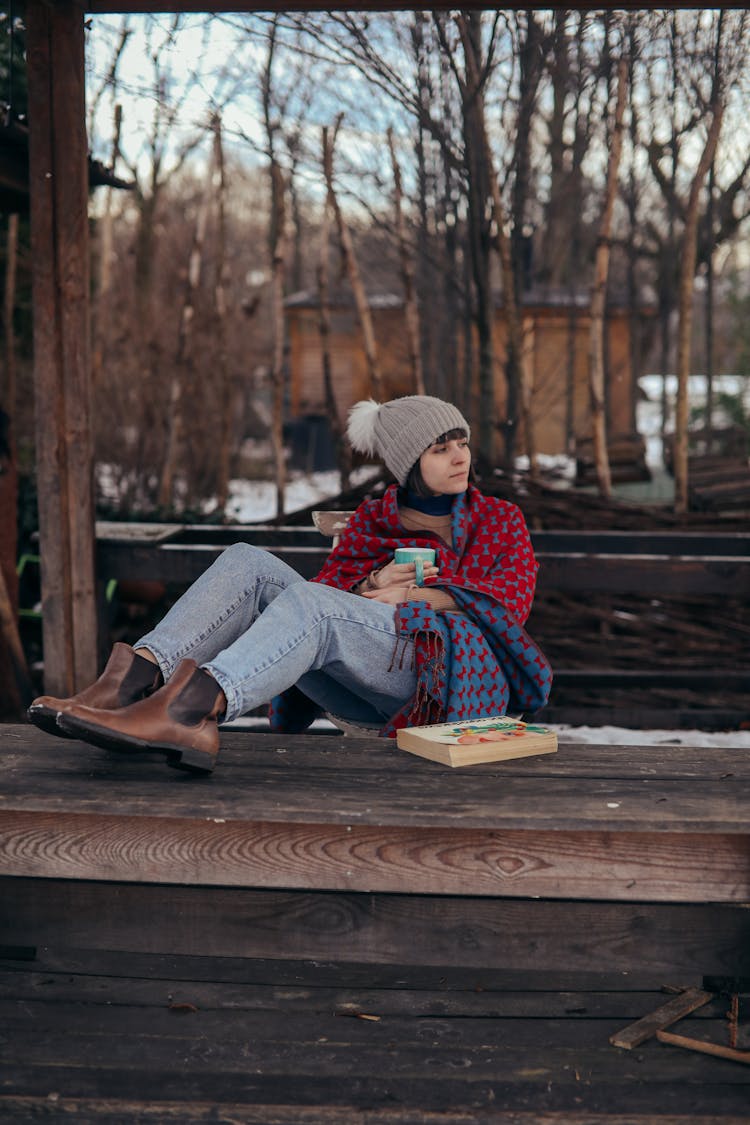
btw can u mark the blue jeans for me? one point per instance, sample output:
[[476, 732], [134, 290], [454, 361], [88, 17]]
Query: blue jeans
[[258, 628]]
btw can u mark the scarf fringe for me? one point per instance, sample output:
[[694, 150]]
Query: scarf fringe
[[397, 662]]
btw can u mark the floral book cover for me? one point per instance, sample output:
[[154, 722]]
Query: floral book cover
[[493, 739]]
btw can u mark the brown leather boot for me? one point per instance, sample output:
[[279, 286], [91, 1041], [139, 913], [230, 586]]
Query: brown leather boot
[[126, 678], [179, 720]]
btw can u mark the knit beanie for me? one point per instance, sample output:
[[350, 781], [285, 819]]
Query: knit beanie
[[399, 431]]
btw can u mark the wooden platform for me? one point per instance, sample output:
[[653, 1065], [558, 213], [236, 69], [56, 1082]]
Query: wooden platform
[[180, 949]]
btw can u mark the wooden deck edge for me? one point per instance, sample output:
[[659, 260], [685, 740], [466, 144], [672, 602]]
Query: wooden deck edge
[[597, 863]]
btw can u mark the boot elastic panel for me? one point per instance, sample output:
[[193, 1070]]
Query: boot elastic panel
[[142, 678], [197, 701]]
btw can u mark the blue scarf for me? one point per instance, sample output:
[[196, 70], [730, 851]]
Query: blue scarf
[[430, 505]]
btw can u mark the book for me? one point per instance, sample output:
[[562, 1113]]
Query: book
[[493, 739]]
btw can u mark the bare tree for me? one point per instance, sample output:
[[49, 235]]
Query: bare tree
[[518, 379], [183, 367], [470, 82], [355, 277], [599, 289], [687, 50], [411, 307], [224, 384], [343, 453], [687, 275], [101, 319], [278, 250]]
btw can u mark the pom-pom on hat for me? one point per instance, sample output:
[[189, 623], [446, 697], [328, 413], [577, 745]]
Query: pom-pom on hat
[[399, 431]]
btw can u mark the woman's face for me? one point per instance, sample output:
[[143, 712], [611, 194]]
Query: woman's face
[[445, 466]]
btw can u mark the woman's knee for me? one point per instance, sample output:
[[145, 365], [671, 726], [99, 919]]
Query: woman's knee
[[240, 554], [312, 596]]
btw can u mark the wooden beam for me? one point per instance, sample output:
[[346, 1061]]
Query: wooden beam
[[521, 935], [59, 241]]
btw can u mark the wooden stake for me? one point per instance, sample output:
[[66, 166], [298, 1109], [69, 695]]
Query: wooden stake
[[704, 1048], [636, 1033]]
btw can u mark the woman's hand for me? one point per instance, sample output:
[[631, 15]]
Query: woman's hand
[[391, 595], [399, 575]]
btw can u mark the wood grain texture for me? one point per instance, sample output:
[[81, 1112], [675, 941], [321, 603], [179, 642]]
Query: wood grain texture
[[640, 867], [492, 934], [59, 235], [368, 781], [327, 813]]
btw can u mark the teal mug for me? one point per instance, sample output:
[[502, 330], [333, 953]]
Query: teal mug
[[419, 556]]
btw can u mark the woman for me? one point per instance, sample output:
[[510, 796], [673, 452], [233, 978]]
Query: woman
[[361, 640]]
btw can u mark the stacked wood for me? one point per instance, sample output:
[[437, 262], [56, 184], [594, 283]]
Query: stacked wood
[[549, 507], [719, 484], [656, 637], [626, 455], [718, 469]]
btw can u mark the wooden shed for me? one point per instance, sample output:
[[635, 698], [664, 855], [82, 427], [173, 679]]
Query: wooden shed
[[556, 332]]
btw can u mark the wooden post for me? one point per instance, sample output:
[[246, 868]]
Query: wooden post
[[59, 244]]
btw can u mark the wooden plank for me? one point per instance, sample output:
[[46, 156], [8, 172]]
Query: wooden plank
[[670, 543], [374, 1057], [37, 988], [59, 226], [118, 1111], [30, 753], [257, 534], [291, 1040], [507, 934], [650, 574], [183, 563], [416, 1105], [49, 963], [645, 574], [488, 799], [731, 679], [278, 778], [112, 531], [675, 1009], [324, 1043], [617, 543], [634, 867], [115, 1112]]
